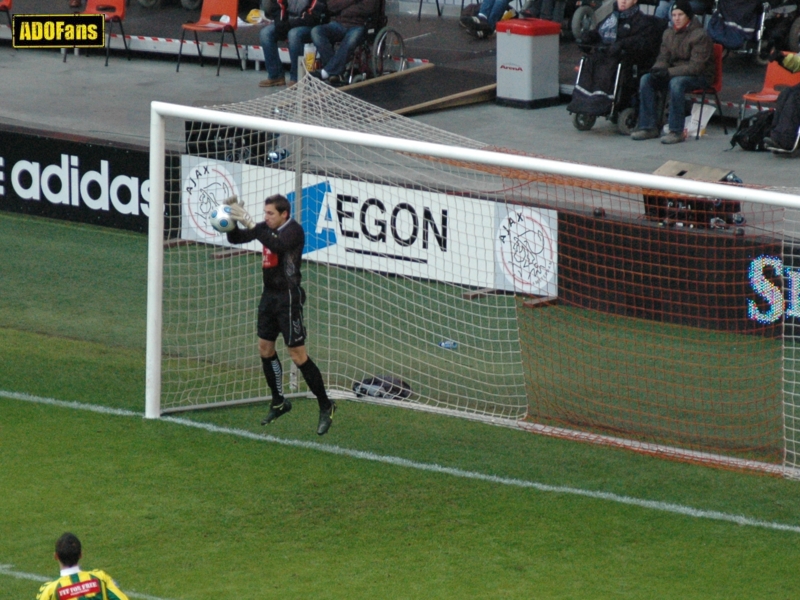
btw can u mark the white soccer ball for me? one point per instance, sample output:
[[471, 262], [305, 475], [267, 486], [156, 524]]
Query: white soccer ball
[[220, 219]]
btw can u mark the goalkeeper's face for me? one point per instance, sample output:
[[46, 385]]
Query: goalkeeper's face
[[273, 218]]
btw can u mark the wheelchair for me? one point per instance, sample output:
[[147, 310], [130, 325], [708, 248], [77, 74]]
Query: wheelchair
[[613, 95], [381, 52]]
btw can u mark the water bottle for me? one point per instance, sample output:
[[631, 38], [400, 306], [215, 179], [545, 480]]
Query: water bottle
[[732, 178], [277, 155], [448, 344]]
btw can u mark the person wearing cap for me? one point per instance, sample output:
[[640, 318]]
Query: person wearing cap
[[685, 62]]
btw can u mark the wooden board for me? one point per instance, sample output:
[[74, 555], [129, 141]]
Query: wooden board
[[425, 88]]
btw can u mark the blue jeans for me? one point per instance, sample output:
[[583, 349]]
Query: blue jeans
[[678, 86], [326, 36], [493, 10], [298, 37]]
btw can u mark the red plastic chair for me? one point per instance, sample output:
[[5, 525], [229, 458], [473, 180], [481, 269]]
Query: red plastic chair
[[714, 88], [114, 12], [211, 14], [776, 79], [5, 6]]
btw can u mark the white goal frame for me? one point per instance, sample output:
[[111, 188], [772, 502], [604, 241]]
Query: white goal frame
[[161, 111]]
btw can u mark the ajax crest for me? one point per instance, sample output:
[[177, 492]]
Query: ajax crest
[[206, 185], [526, 251]]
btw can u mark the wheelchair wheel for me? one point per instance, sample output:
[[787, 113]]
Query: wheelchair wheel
[[388, 52], [583, 21], [626, 122], [793, 42], [583, 122], [150, 3]]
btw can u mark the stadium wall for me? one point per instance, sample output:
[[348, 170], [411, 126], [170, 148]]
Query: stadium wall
[[696, 277]]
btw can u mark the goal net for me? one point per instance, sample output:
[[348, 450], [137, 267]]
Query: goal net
[[444, 275]]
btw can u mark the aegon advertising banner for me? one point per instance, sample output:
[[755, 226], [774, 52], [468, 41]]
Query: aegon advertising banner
[[429, 235], [74, 179]]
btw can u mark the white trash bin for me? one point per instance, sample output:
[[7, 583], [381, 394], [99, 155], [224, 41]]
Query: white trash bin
[[527, 63]]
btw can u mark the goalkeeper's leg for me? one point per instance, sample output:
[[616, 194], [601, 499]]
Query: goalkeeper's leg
[[313, 378], [273, 371]]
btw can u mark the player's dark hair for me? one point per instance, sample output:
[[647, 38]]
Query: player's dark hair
[[68, 549], [280, 203]]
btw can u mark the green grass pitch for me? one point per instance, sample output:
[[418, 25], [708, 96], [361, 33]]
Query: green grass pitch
[[176, 512]]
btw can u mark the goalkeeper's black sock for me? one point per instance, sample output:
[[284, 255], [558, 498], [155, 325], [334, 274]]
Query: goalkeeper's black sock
[[313, 378], [274, 374]]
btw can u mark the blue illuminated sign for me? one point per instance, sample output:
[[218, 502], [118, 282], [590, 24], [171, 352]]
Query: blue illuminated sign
[[780, 304]]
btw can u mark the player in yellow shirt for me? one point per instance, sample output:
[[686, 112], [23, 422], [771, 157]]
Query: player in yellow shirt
[[75, 584]]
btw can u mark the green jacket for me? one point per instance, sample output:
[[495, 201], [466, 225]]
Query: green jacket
[[791, 62]]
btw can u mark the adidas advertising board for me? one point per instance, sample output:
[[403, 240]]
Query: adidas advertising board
[[387, 229], [75, 179]]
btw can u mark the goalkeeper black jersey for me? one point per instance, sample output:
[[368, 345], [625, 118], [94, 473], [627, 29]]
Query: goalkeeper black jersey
[[283, 252]]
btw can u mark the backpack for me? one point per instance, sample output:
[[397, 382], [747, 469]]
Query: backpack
[[752, 131], [787, 118], [382, 386]]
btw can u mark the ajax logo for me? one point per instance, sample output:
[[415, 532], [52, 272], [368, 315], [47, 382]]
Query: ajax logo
[[206, 186], [526, 251]]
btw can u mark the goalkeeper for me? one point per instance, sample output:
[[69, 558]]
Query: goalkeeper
[[281, 308], [75, 583]]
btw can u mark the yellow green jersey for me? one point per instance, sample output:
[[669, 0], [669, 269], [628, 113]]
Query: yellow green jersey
[[75, 584]]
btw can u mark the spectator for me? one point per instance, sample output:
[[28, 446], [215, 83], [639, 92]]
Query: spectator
[[628, 30], [685, 62], [348, 25], [626, 36], [483, 25], [75, 583], [699, 7], [786, 121], [292, 21]]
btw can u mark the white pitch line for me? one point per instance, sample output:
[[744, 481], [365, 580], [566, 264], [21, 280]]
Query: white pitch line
[[8, 570], [402, 462]]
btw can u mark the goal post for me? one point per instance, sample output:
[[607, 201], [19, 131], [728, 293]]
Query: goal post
[[571, 300]]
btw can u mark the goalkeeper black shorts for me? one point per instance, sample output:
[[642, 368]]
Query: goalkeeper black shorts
[[282, 313]]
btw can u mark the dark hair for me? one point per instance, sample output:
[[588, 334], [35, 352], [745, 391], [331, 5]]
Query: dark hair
[[280, 203], [68, 549]]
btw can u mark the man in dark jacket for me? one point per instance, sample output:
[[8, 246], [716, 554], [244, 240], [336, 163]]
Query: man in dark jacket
[[685, 63], [292, 20], [626, 36], [348, 20]]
